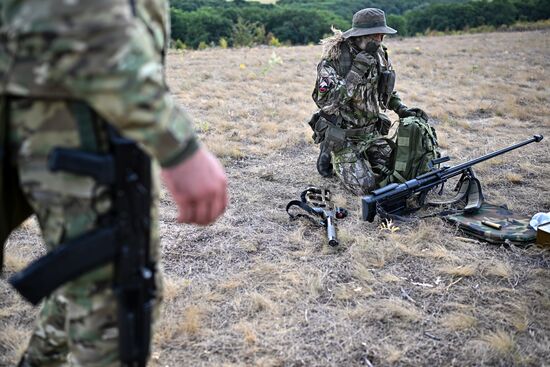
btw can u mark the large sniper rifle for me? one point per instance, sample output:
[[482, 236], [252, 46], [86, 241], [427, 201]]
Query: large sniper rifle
[[122, 239], [394, 199]]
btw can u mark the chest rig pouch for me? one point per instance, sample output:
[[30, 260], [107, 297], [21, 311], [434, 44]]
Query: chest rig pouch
[[386, 81], [386, 84]]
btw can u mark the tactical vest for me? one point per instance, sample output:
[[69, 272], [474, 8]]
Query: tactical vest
[[14, 208], [386, 73]]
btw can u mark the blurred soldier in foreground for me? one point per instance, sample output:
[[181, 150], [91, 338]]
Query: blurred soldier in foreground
[[355, 81], [69, 72]]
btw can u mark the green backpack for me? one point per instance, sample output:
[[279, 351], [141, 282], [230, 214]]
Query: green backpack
[[416, 147]]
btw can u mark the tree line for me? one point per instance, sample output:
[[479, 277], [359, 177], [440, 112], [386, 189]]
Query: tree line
[[203, 23]]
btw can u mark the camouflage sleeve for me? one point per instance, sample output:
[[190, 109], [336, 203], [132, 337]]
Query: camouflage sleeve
[[150, 117], [109, 54], [143, 108], [331, 91]]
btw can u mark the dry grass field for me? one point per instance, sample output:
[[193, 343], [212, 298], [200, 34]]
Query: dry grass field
[[255, 289]]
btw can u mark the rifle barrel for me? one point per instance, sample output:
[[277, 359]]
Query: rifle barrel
[[451, 171]]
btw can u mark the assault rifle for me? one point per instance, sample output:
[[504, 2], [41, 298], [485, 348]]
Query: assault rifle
[[122, 238], [317, 202], [394, 198]]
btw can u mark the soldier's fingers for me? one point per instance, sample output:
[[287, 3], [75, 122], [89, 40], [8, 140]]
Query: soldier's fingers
[[219, 205], [202, 213], [186, 212]]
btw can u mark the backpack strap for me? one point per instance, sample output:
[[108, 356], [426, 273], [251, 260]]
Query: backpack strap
[[433, 137], [397, 176]]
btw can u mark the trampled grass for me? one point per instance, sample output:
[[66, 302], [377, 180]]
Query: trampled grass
[[255, 289]]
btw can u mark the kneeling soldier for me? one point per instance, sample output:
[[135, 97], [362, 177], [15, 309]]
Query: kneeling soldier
[[355, 81]]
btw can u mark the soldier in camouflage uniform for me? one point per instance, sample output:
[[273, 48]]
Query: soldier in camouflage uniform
[[354, 85], [110, 56]]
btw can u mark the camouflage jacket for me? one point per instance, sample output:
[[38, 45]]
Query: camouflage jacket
[[356, 102], [108, 53]]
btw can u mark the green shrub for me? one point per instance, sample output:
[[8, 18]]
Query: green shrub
[[272, 40], [247, 34], [179, 45], [398, 23], [223, 42], [249, 23]]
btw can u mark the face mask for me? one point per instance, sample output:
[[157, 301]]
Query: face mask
[[367, 44], [372, 46]]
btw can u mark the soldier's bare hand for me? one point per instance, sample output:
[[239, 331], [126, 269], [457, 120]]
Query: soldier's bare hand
[[199, 187]]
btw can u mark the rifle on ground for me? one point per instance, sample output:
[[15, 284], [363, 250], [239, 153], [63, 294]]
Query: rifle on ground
[[317, 202], [393, 199], [122, 238]]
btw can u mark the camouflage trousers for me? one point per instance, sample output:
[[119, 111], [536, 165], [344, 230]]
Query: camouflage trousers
[[363, 163], [77, 325]]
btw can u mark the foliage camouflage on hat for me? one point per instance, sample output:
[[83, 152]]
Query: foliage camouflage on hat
[[368, 21]]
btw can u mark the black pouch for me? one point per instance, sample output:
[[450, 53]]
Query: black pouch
[[386, 84], [317, 137], [14, 208], [383, 125], [319, 124], [336, 138], [313, 120]]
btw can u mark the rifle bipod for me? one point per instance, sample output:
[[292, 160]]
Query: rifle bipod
[[316, 202]]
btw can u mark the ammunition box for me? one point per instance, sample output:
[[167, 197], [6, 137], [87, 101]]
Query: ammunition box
[[543, 234]]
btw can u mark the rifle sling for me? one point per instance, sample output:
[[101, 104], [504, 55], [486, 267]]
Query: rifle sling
[[306, 208]]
